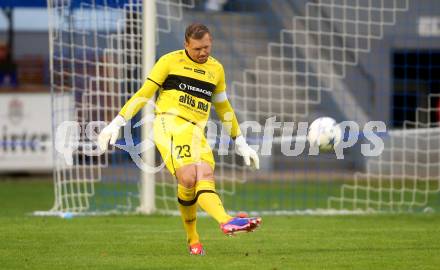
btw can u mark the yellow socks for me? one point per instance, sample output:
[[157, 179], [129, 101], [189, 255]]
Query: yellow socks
[[188, 212], [209, 201]]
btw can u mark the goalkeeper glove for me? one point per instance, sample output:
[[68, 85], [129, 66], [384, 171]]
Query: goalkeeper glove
[[249, 155], [110, 133]]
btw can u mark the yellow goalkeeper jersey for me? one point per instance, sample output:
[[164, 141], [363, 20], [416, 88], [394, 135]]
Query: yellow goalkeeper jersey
[[187, 87]]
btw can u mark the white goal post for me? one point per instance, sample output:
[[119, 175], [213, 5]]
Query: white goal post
[[147, 190]]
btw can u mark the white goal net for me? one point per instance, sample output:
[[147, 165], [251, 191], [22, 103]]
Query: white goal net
[[304, 70], [96, 65]]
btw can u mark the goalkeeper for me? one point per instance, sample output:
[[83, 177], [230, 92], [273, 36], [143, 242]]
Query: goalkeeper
[[190, 81]]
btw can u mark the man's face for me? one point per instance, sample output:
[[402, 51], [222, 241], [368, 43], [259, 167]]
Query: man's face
[[199, 49]]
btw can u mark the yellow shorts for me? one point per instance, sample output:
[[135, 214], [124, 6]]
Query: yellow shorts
[[180, 142]]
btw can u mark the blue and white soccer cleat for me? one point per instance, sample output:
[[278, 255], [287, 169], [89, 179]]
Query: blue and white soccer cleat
[[196, 249], [240, 224]]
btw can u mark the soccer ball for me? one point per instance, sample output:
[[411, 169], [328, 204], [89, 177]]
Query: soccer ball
[[324, 133]]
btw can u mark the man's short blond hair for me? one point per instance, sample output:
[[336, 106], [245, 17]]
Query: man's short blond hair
[[196, 31]]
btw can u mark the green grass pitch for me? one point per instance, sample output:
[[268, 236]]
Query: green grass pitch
[[158, 242]]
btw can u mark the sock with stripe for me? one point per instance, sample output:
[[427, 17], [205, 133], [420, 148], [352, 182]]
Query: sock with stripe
[[188, 212], [210, 202]]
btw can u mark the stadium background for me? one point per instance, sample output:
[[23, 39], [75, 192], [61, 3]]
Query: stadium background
[[378, 61], [386, 73]]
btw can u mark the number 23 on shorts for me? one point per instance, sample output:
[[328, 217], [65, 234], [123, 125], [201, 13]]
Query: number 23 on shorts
[[182, 151]]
